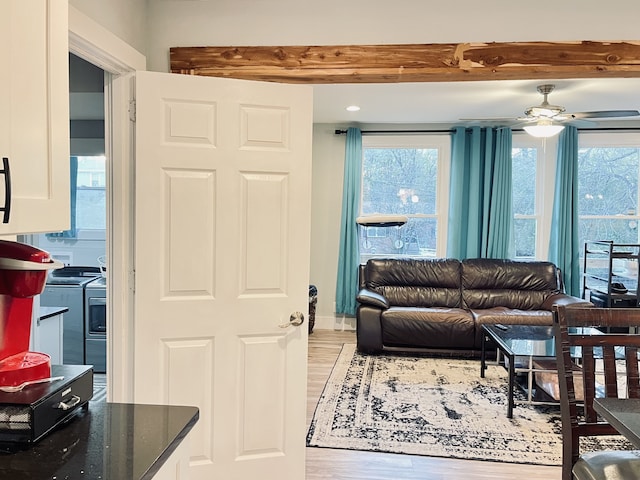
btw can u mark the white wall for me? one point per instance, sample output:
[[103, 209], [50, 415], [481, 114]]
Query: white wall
[[326, 205], [174, 23], [126, 19]]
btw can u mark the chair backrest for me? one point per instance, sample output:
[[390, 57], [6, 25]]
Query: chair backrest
[[607, 364]]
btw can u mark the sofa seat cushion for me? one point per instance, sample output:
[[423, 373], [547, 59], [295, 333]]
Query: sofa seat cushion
[[512, 316], [433, 327]]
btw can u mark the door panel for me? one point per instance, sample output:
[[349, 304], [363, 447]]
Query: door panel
[[264, 227], [222, 255], [189, 275]]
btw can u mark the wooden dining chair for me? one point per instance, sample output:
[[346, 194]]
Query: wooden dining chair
[[604, 362]]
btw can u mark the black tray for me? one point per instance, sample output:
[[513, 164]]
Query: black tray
[[28, 415]]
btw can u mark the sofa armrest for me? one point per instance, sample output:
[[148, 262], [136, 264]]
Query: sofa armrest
[[367, 297], [369, 329], [564, 299]]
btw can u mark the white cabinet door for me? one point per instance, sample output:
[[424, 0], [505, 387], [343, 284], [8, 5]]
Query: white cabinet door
[[34, 115], [47, 337], [223, 170]]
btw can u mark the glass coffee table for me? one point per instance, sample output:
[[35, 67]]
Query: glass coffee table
[[521, 345]]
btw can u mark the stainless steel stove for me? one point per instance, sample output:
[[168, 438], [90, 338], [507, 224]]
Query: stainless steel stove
[[95, 328], [65, 288]]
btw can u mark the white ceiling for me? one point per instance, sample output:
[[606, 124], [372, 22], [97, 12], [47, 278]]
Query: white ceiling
[[447, 103], [444, 103]]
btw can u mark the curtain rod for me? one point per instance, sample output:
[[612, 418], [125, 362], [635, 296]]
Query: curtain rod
[[375, 132], [381, 132]]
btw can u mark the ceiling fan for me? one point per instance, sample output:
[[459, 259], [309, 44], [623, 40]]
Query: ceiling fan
[[545, 120]]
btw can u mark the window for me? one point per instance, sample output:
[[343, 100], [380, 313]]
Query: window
[[533, 171], [91, 209], [405, 175], [525, 223], [608, 171]]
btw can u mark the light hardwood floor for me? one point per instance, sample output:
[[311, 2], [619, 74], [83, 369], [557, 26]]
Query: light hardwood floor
[[324, 463]]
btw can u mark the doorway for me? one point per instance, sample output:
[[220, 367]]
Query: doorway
[[91, 42], [82, 248]]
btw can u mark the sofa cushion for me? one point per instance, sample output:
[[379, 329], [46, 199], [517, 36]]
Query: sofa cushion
[[428, 327], [407, 282], [512, 316], [488, 283]]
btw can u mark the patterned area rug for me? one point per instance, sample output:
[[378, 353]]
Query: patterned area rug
[[435, 407]]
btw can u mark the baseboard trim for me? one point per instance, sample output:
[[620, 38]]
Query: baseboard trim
[[334, 322]]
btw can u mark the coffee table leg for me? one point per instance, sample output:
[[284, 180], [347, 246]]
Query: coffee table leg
[[483, 365], [512, 378]]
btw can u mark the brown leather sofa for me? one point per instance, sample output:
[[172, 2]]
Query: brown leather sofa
[[441, 304]]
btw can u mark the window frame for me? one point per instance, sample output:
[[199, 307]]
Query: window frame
[[439, 141]]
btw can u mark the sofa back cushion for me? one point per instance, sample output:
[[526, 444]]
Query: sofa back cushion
[[488, 283], [408, 282]]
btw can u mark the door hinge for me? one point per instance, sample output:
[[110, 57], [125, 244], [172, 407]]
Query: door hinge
[[132, 110], [132, 281]]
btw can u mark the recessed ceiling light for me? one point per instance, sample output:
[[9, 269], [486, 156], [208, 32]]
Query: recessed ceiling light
[[353, 108]]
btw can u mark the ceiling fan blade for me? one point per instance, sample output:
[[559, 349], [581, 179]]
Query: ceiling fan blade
[[604, 114], [581, 122]]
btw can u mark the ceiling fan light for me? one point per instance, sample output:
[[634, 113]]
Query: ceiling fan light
[[543, 129]]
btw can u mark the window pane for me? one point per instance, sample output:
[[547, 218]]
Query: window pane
[[524, 180], [525, 237], [416, 237], [399, 180], [91, 209], [523, 175], [91, 172], [608, 181], [608, 187], [620, 230], [91, 205]]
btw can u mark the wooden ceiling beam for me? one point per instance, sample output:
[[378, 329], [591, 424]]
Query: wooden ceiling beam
[[412, 63]]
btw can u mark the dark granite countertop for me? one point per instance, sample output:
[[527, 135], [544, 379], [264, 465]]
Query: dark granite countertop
[[110, 441], [46, 312]]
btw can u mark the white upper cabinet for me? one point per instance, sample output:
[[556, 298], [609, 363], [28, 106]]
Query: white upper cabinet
[[34, 116]]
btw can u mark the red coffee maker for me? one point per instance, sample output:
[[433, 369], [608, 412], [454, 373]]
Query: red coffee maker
[[23, 274]]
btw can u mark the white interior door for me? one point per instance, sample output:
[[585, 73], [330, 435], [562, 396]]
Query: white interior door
[[222, 254]]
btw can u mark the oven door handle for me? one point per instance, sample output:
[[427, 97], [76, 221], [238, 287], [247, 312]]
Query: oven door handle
[[97, 301]]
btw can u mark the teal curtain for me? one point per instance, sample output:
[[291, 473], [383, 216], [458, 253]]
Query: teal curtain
[[564, 248], [480, 201], [72, 232], [348, 257]]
